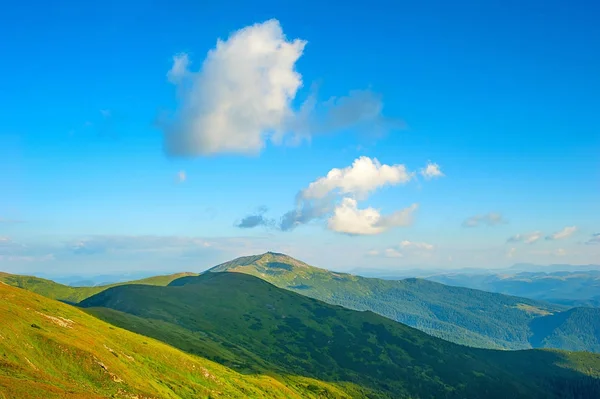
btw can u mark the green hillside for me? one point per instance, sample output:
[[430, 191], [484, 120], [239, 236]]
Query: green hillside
[[66, 293], [261, 329], [571, 330], [460, 315], [52, 350]]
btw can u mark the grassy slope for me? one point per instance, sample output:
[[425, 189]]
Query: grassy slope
[[460, 315], [49, 349], [70, 294], [263, 328]]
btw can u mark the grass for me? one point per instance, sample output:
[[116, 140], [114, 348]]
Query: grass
[[49, 349]]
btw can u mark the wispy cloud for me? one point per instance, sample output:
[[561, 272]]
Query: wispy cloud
[[416, 245], [181, 176], [488, 219], [562, 234], [527, 238], [256, 219], [242, 97], [594, 239]]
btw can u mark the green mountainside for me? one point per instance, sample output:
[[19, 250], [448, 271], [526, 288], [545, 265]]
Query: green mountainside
[[52, 350], [257, 328], [66, 293], [573, 288], [576, 328], [461, 315]]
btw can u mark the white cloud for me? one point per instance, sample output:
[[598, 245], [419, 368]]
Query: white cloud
[[347, 218], [364, 176], [181, 176], [179, 70], [393, 253], [431, 171], [511, 252], [490, 219], [527, 238], [416, 245], [386, 253], [564, 233], [242, 97]]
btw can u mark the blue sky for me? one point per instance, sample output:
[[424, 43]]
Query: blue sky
[[126, 145]]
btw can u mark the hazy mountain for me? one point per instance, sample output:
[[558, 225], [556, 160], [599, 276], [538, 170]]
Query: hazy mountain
[[256, 327], [576, 288]]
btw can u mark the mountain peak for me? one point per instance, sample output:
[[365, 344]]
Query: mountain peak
[[268, 262]]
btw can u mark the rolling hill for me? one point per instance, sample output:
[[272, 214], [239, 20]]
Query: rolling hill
[[66, 293], [461, 315], [573, 288], [50, 350], [264, 329]]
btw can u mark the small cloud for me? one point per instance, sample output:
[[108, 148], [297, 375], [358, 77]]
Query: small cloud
[[181, 176], [256, 219], [528, 238], [416, 245], [393, 253], [511, 252], [594, 239], [9, 221], [488, 219], [105, 113], [373, 252], [431, 171], [347, 218], [364, 176], [564, 233], [386, 253]]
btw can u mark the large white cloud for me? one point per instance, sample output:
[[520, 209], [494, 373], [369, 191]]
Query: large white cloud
[[242, 93], [243, 96], [564, 233], [364, 176], [347, 218]]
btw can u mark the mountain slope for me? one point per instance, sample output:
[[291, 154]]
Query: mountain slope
[[573, 288], [49, 349], [66, 293], [571, 330], [460, 315], [274, 330]]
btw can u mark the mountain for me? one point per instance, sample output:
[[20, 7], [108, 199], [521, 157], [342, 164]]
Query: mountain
[[265, 329], [51, 350], [461, 315], [576, 328], [573, 288], [66, 293]]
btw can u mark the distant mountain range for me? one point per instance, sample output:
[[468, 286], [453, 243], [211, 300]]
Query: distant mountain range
[[576, 288], [461, 315]]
